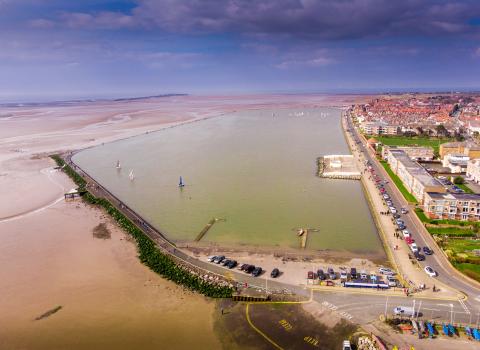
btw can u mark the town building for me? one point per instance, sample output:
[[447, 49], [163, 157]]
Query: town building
[[473, 170], [414, 152], [467, 148], [457, 206], [456, 162], [413, 176], [379, 128]]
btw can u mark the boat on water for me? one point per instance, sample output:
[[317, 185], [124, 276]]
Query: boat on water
[[131, 175], [181, 183], [118, 165]]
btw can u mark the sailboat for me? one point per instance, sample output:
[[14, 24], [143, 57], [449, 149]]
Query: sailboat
[[118, 165], [181, 183], [131, 175]]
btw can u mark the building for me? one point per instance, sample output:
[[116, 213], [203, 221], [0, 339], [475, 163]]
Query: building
[[379, 128], [414, 152], [413, 176], [473, 170], [457, 163], [467, 148], [461, 206]]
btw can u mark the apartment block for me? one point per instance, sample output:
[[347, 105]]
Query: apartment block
[[461, 206]]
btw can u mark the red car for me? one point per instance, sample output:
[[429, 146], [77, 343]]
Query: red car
[[409, 240], [311, 275]]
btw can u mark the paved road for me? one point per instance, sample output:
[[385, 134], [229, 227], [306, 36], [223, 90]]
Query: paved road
[[446, 273]]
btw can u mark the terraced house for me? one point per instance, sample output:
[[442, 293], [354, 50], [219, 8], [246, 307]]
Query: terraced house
[[461, 206]]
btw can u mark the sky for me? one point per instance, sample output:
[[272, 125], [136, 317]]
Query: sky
[[64, 49]]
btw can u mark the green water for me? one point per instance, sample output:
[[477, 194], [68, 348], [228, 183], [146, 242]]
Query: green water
[[255, 170]]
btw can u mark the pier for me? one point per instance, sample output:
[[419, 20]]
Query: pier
[[338, 167]]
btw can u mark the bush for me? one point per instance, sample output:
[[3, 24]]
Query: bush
[[149, 254], [458, 180]]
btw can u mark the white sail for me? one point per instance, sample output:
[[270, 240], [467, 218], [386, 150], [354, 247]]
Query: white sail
[[118, 164], [131, 175]]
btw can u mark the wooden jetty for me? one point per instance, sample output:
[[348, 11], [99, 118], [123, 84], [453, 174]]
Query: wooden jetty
[[206, 228], [304, 239]]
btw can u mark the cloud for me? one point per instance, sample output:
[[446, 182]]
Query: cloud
[[101, 20], [318, 58], [326, 19], [41, 23]]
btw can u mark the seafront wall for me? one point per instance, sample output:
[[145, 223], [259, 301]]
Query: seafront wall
[[163, 262]]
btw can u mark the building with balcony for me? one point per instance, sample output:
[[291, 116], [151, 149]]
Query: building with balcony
[[473, 170], [456, 162], [461, 206]]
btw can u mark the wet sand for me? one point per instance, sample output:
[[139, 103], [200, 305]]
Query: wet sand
[[48, 255]]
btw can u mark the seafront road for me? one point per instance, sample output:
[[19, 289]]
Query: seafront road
[[447, 274]]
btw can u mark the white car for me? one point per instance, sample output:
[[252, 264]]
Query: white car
[[385, 271], [404, 211], [406, 234], [429, 271], [393, 210], [414, 247]]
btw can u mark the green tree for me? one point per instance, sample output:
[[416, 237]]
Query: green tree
[[458, 180]]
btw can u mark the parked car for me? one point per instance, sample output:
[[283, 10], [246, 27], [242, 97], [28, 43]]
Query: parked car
[[429, 271], [392, 281], [393, 210], [405, 311], [414, 248], [402, 227], [249, 268], [232, 264], [226, 262], [396, 216], [385, 271], [343, 275], [321, 275], [406, 234], [427, 251], [400, 222], [419, 257], [257, 271], [409, 240], [275, 273], [347, 345], [331, 274], [219, 259], [211, 258], [404, 211], [353, 273], [310, 275], [243, 267]]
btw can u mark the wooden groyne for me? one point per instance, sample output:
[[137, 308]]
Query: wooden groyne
[[206, 228]]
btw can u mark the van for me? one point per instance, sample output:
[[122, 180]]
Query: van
[[331, 274], [363, 275], [353, 273], [405, 311], [343, 275]]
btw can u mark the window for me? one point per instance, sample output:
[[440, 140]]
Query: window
[[464, 216]]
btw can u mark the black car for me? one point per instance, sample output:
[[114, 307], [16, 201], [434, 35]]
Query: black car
[[427, 251], [321, 275], [226, 262], [257, 271], [275, 273], [232, 264], [219, 259], [353, 273], [402, 227], [249, 268], [419, 257], [243, 267], [396, 216]]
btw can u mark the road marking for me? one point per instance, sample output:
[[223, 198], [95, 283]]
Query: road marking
[[464, 306], [259, 331]]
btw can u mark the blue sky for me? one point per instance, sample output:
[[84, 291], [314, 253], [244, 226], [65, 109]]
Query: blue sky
[[60, 49]]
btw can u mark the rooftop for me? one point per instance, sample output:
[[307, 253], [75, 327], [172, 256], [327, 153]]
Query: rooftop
[[455, 196]]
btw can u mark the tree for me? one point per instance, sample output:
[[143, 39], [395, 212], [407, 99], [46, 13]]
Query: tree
[[458, 180], [441, 130]]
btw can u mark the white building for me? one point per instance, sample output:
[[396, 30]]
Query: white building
[[456, 162], [473, 170]]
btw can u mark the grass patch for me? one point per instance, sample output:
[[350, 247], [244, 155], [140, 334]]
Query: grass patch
[[451, 231], [413, 141], [408, 196], [471, 270], [465, 188]]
